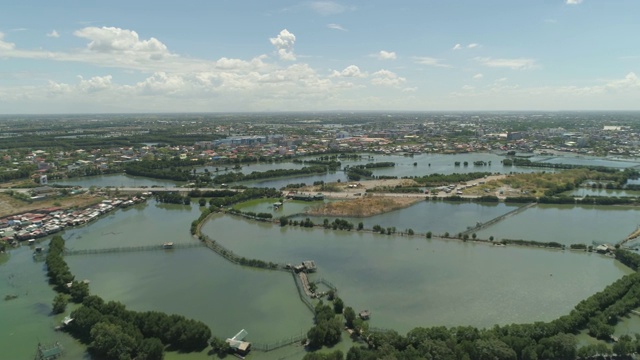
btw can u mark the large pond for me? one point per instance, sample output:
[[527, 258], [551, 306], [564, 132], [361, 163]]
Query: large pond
[[438, 217], [405, 281], [410, 281], [567, 224]]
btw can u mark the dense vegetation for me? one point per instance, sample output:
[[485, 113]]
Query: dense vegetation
[[174, 169], [113, 332], [21, 172], [172, 198], [442, 179], [327, 329], [256, 175]]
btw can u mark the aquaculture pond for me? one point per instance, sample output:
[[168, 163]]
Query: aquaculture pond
[[567, 224], [411, 281]]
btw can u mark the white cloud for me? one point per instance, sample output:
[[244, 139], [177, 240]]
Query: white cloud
[[468, 87], [336, 27], [116, 40], [429, 61], [161, 83], [349, 71], [53, 34], [386, 55], [95, 84], [468, 46], [515, 64], [329, 7], [284, 43], [631, 81], [573, 2], [4, 45], [55, 88], [478, 76], [386, 78]]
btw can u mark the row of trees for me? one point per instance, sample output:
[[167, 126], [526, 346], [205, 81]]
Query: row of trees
[[251, 214], [112, 331], [256, 175], [174, 169], [445, 179], [227, 197], [172, 198], [61, 278]]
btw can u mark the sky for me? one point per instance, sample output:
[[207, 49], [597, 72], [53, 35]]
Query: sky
[[370, 55]]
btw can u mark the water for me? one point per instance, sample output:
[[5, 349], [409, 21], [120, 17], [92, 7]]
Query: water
[[116, 180], [405, 281], [25, 321], [567, 224], [425, 164], [199, 284], [145, 224], [591, 161], [410, 281], [435, 216], [601, 192]]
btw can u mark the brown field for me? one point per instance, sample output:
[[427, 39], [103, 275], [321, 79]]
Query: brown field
[[366, 206], [11, 206]]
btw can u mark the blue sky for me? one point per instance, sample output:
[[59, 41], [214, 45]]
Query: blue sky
[[239, 55]]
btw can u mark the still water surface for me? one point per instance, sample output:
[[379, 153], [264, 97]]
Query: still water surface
[[404, 281]]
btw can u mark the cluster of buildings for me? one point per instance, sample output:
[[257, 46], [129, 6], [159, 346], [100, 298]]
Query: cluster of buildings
[[32, 225], [276, 136]]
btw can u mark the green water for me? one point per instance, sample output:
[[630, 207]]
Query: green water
[[601, 192], [199, 284], [405, 281], [408, 282], [567, 224], [435, 216], [26, 320], [145, 224]]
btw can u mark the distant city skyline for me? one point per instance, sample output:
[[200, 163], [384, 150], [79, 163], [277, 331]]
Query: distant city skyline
[[262, 56]]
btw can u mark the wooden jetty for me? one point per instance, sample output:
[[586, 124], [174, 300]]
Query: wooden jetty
[[49, 352], [132, 249], [481, 226]]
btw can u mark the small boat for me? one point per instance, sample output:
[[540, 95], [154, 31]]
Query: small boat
[[167, 245]]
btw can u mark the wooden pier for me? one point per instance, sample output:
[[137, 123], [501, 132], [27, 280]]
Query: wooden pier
[[497, 219], [69, 252]]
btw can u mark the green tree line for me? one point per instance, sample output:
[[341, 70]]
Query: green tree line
[[113, 332]]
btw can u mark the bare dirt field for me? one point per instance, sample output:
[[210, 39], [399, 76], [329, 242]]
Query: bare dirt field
[[11, 206], [362, 207]]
